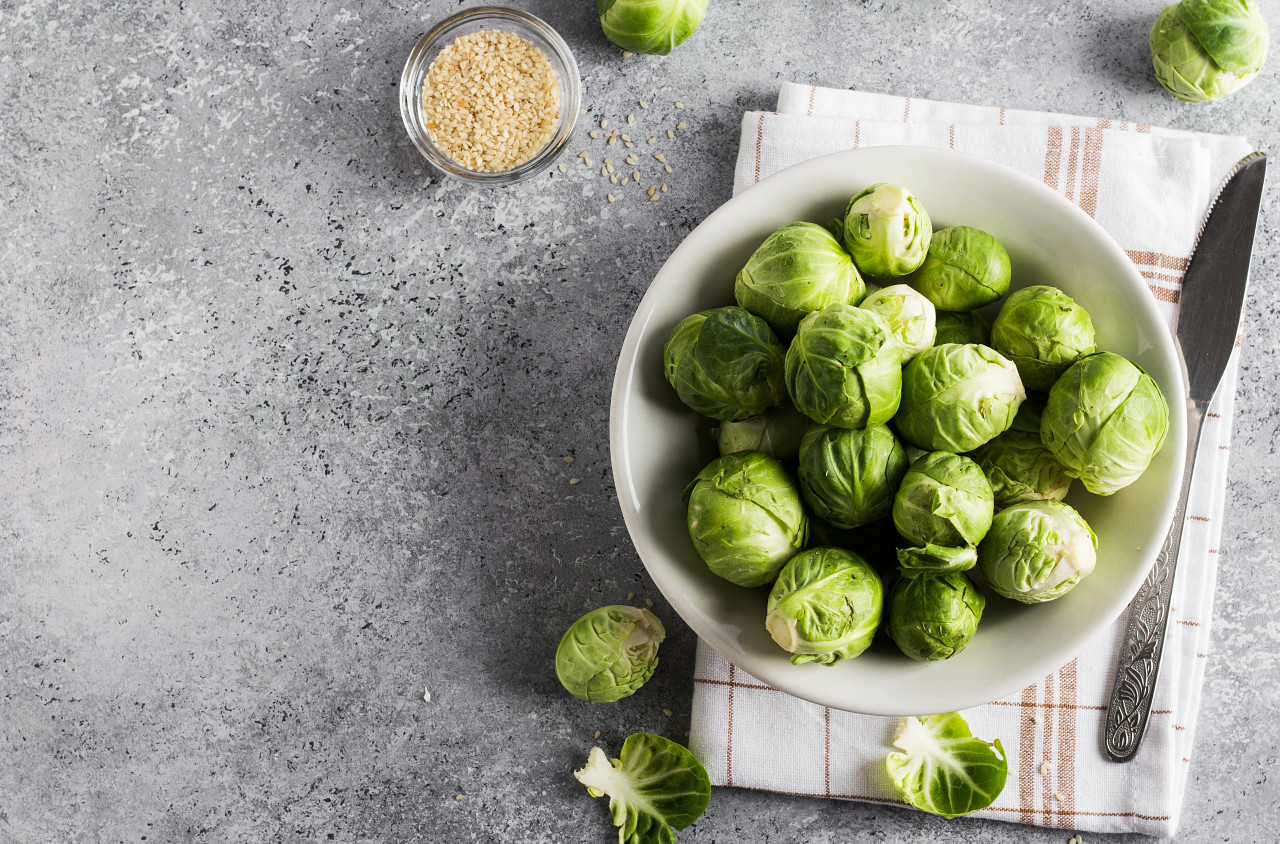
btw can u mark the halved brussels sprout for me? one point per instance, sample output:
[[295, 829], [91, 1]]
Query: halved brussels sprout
[[887, 231], [910, 317], [825, 606], [945, 500], [844, 368], [934, 616], [1043, 331], [799, 269], [955, 398], [650, 26], [964, 327], [1017, 463], [1206, 49], [940, 768], [849, 477], [936, 559], [777, 432], [725, 363], [609, 653], [745, 517], [1104, 422], [1037, 551], [965, 269], [655, 786]]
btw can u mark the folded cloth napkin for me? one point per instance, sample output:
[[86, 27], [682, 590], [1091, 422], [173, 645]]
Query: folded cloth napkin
[[1150, 188]]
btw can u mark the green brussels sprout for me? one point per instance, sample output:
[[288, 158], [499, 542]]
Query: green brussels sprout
[[1206, 49], [957, 397], [825, 606], [777, 432], [1018, 465], [965, 269], [934, 616], [609, 653], [942, 769], [887, 231], [655, 787], [848, 477], [1037, 551], [798, 269], [745, 517], [844, 368], [725, 363], [910, 317], [964, 327], [1104, 422], [1043, 331], [650, 26], [944, 499], [936, 559]]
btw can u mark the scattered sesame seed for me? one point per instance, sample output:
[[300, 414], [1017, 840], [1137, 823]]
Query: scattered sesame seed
[[596, 734], [608, 161], [660, 157], [594, 134], [583, 154], [654, 138], [650, 191], [682, 126], [587, 162], [648, 602], [573, 481], [631, 118], [1057, 795], [460, 797], [679, 104], [582, 111], [653, 198], [667, 167], [426, 695], [604, 171], [631, 596], [630, 145], [1036, 719], [611, 200], [614, 178], [604, 124], [635, 176], [626, 54], [560, 167], [643, 104], [631, 159], [666, 712], [664, 187], [670, 134], [567, 458], [625, 138], [1044, 769]]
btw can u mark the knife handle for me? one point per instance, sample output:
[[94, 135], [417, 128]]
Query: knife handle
[[1134, 687]]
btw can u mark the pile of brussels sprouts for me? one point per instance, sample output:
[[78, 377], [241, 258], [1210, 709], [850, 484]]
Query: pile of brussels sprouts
[[841, 411]]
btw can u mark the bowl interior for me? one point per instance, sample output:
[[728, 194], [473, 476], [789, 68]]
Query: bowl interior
[[658, 444]]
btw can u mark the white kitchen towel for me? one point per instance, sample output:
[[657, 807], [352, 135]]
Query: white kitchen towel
[[1150, 188]]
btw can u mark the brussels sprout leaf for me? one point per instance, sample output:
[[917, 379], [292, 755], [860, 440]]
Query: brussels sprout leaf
[[657, 786], [943, 769]]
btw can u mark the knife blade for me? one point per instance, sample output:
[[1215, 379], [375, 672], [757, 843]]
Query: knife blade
[[1211, 302]]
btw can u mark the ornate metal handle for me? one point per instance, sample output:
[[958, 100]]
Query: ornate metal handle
[[1135, 682]]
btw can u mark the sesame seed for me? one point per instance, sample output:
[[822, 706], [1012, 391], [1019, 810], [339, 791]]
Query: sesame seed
[[596, 734], [654, 138], [587, 162], [594, 134], [604, 124], [653, 198], [573, 481], [1044, 769], [682, 126], [567, 458], [626, 54], [630, 145], [614, 178], [664, 187], [611, 197], [560, 167], [660, 157], [582, 111], [643, 104], [631, 596], [631, 159], [626, 139], [670, 134], [631, 118], [635, 176], [679, 104], [1036, 719], [460, 797], [650, 191], [666, 712], [648, 602], [583, 154], [608, 161], [667, 167]]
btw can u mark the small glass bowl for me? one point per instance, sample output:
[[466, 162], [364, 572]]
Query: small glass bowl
[[504, 20]]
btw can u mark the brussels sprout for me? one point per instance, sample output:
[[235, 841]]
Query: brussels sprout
[[798, 269], [965, 269], [844, 368], [955, 398], [1104, 422], [825, 606], [936, 559], [1205, 49], [654, 787], [1037, 551], [650, 26], [609, 653], [745, 517], [1018, 465], [725, 363], [934, 616], [1043, 331], [962, 327], [887, 231], [944, 499], [848, 477], [910, 317], [943, 769], [776, 432]]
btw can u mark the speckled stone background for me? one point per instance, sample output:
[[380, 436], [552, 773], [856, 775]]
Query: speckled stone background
[[282, 417]]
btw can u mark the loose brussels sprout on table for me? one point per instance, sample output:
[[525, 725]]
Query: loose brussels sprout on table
[[654, 786], [777, 432], [799, 269], [844, 368], [848, 477], [825, 606], [944, 500], [1104, 422], [887, 231], [725, 363], [650, 26], [910, 315], [955, 398], [965, 269], [1043, 331], [934, 616], [609, 653], [1037, 551], [1206, 49], [964, 327], [745, 517], [1017, 463]]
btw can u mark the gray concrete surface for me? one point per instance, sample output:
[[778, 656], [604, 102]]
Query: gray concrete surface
[[282, 418]]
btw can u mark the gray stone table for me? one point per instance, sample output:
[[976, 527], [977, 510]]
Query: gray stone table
[[282, 418]]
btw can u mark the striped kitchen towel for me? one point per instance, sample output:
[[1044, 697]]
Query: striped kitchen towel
[[1150, 188]]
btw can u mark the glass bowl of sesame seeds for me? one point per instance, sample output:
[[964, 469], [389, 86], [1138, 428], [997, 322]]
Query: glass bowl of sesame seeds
[[490, 95]]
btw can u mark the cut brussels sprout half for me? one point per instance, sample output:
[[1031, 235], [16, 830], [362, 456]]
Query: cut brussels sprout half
[[650, 26], [944, 500], [609, 653], [942, 769], [965, 269], [911, 317], [955, 398], [1037, 551], [887, 231], [1043, 331], [725, 363], [848, 477], [1205, 49], [934, 616], [844, 368], [655, 786], [825, 606]]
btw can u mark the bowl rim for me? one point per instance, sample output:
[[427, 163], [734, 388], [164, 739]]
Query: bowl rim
[[1056, 655], [410, 94]]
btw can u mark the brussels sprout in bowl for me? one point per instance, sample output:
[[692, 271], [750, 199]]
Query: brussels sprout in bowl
[[658, 445]]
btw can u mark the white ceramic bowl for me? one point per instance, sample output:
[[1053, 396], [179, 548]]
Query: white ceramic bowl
[[658, 444]]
